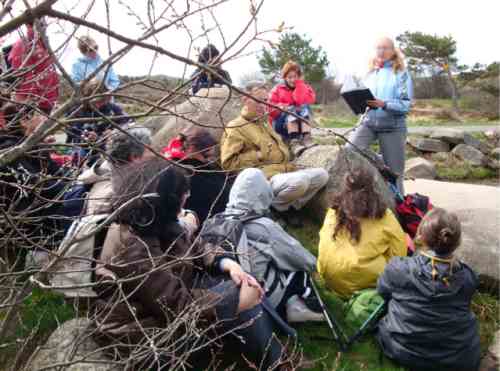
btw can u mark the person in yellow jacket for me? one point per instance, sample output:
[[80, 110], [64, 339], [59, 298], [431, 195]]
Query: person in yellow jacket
[[249, 142], [359, 236]]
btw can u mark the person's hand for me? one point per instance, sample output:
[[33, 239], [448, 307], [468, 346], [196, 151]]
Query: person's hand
[[240, 277], [377, 103], [249, 298]]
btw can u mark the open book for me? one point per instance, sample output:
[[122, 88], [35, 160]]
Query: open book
[[355, 93]]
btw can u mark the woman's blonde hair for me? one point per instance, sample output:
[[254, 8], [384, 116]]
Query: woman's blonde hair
[[398, 59]]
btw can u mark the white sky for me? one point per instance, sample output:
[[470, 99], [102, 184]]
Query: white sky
[[347, 30]]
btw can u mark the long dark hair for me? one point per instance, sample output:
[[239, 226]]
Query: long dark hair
[[158, 188], [357, 199], [208, 53]]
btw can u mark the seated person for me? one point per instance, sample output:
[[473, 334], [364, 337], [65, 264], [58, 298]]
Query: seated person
[[195, 150], [32, 185], [204, 80], [429, 324], [123, 148], [98, 117], [198, 291], [248, 141], [296, 96], [90, 61], [359, 236], [277, 260]]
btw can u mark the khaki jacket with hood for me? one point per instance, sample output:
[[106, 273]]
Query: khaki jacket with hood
[[248, 142]]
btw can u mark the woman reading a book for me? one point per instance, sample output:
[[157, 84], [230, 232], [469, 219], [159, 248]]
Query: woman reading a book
[[385, 121]]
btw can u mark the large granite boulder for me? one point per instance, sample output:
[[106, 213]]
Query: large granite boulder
[[419, 167], [210, 108], [469, 154], [428, 145], [72, 344], [338, 162], [449, 135], [478, 208]]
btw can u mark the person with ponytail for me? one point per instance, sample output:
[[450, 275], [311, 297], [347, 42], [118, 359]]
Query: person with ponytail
[[359, 236], [391, 84], [429, 324]]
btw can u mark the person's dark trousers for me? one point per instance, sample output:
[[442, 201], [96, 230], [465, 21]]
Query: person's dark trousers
[[280, 126]]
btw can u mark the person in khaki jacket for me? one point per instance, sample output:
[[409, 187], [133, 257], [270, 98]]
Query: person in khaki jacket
[[248, 141]]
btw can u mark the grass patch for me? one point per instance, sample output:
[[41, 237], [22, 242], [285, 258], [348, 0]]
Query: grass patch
[[40, 314], [464, 171], [365, 354]]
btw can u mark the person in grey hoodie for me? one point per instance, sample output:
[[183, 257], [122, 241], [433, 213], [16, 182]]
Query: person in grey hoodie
[[277, 260]]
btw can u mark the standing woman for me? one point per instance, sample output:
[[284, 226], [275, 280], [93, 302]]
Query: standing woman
[[391, 84]]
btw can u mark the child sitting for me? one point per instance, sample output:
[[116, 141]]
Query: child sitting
[[429, 324], [359, 236], [293, 95]]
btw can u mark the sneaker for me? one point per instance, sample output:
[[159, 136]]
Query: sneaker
[[297, 311], [296, 147]]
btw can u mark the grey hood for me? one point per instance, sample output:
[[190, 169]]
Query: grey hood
[[251, 192]]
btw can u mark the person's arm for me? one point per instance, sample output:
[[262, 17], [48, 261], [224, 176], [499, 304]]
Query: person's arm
[[234, 152], [388, 280], [77, 73], [303, 93], [112, 79], [404, 95], [395, 239], [274, 99]]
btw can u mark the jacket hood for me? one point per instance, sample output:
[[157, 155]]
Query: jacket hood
[[432, 276], [251, 192]]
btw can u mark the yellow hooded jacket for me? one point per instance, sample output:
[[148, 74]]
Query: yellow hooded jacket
[[347, 266], [249, 143]]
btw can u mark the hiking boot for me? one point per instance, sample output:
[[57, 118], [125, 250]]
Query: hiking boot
[[297, 311], [296, 147]]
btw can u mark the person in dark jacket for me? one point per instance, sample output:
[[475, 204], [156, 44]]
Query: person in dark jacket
[[429, 324], [203, 80], [210, 185], [192, 291], [31, 186], [97, 119]]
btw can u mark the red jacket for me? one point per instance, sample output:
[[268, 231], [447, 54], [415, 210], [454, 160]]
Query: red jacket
[[39, 82], [282, 94], [173, 151]]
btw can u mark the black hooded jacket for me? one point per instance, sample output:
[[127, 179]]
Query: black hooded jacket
[[429, 324]]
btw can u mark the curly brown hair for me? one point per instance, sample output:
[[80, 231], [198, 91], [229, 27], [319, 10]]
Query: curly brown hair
[[358, 198]]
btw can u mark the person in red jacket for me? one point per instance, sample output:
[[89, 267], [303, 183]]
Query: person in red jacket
[[37, 81], [296, 96]]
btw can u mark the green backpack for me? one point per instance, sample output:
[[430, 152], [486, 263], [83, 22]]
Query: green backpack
[[363, 305]]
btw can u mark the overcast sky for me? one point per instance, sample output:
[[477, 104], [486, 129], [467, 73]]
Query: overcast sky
[[346, 30]]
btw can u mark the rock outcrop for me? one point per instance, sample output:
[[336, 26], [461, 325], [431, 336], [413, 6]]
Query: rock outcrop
[[338, 162], [478, 208], [419, 167], [210, 109], [72, 345]]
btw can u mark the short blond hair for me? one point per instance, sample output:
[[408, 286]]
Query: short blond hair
[[86, 44]]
